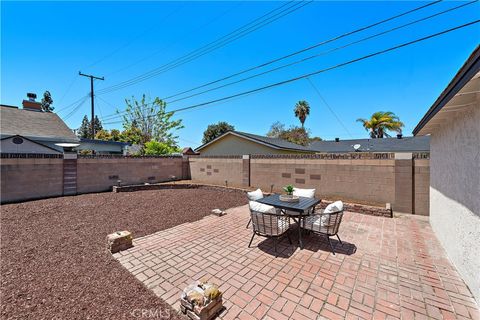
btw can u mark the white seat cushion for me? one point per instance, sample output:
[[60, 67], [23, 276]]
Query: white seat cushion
[[255, 195], [260, 207], [334, 207], [307, 193]]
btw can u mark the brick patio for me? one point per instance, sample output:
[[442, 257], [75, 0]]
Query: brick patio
[[386, 269]]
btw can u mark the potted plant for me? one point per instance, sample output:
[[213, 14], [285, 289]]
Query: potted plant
[[289, 197]]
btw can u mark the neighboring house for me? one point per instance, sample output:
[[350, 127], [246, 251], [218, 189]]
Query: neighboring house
[[240, 143], [30, 130], [187, 151], [399, 144], [453, 122], [102, 146]]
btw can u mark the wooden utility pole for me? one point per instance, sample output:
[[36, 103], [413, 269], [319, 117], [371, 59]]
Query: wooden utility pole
[[92, 122]]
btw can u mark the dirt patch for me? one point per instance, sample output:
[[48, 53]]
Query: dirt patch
[[54, 262]]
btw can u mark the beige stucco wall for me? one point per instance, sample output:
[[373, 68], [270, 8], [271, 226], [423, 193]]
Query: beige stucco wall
[[455, 192], [233, 145]]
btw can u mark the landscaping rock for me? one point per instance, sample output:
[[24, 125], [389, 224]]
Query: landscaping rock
[[119, 241]]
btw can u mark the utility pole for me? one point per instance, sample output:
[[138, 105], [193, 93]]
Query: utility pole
[[92, 122]]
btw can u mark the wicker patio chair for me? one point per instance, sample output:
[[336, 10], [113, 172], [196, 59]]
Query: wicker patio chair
[[268, 222], [307, 193], [326, 223]]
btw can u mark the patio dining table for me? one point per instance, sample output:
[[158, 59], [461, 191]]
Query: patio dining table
[[295, 210]]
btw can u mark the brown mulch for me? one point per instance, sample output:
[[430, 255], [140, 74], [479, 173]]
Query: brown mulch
[[54, 263]]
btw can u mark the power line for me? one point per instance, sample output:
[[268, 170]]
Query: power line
[[212, 46], [321, 53], [325, 69], [162, 49], [113, 52], [313, 56], [329, 108], [71, 113], [308, 48], [71, 104], [330, 68]]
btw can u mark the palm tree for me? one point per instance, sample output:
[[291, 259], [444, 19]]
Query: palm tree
[[380, 122], [302, 110]]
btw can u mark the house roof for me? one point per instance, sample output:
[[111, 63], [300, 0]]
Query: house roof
[[470, 70], [405, 144], [107, 142], [34, 125], [275, 143]]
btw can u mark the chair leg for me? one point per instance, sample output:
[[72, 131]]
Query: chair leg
[[288, 237], [253, 235], [275, 245], [331, 246], [249, 221], [339, 240]]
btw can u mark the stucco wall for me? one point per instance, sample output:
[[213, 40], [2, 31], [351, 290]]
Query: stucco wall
[[455, 192], [233, 145], [7, 146]]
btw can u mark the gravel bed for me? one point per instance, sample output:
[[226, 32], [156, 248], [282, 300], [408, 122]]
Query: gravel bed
[[54, 263]]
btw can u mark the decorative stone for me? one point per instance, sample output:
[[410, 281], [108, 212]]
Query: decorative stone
[[119, 241], [218, 212]]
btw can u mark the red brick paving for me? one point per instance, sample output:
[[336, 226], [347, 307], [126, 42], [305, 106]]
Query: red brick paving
[[386, 269]]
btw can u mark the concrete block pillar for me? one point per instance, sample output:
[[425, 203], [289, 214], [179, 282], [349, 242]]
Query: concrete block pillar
[[246, 170], [69, 173], [403, 183], [186, 168]]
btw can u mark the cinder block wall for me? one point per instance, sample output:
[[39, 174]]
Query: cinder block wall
[[362, 180], [421, 186], [26, 179], [366, 178], [100, 174], [217, 170]]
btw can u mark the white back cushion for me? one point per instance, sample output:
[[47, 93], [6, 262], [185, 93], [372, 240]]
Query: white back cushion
[[334, 207], [307, 193], [255, 195], [260, 207]]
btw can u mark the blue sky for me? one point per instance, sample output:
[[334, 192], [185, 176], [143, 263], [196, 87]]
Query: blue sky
[[45, 44]]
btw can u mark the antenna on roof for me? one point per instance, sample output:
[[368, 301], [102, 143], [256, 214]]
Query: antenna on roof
[[357, 146]]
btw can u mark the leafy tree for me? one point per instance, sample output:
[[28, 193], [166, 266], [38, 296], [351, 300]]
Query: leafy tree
[[214, 131], [115, 134], [380, 122], [132, 135], [47, 102], [153, 147], [276, 130], [296, 135], [97, 124], [152, 119], [302, 110], [84, 131], [103, 135]]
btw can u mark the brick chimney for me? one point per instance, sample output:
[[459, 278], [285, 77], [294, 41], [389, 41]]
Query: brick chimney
[[31, 104]]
